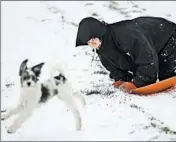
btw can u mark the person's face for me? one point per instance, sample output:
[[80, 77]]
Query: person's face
[[94, 43]]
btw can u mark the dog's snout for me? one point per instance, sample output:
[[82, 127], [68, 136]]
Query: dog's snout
[[28, 83]]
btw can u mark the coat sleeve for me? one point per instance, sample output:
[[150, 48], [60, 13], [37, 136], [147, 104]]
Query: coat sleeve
[[115, 73], [146, 60], [143, 55]]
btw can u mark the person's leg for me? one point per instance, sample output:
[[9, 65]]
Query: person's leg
[[167, 60]]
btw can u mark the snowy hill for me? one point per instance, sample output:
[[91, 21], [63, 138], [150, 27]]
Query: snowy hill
[[46, 31]]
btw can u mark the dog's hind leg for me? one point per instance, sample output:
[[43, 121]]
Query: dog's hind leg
[[70, 102], [10, 111], [76, 115], [81, 98]]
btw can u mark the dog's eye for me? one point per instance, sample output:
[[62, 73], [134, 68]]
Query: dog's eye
[[33, 78], [24, 77]]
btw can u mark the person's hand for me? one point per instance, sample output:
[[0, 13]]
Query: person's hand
[[116, 84], [174, 87], [127, 87]]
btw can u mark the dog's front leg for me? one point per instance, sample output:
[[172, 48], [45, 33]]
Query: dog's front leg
[[24, 114], [10, 111]]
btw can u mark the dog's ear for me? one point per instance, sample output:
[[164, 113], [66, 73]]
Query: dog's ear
[[37, 69], [23, 66]]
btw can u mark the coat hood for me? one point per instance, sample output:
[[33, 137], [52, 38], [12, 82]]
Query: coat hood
[[89, 28]]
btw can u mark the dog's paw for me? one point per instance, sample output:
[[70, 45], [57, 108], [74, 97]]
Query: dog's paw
[[4, 110], [4, 116], [79, 125], [9, 132], [11, 129]]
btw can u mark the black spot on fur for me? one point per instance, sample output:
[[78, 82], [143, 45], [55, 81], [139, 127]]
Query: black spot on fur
[[34, 78], [61, 77], [25, 75], [45, 94]]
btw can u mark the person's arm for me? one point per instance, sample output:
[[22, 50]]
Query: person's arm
[[115, 73], [146, 59], [144, 56]]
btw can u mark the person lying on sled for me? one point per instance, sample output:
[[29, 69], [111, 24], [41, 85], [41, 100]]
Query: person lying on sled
[[137, 52]]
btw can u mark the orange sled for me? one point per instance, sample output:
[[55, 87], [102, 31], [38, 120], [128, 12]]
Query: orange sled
[[156, 87]]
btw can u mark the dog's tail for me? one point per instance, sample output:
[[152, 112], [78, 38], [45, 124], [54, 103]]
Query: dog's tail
[[57, 68]]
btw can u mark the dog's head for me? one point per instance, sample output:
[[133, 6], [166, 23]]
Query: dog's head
[[29, 76]]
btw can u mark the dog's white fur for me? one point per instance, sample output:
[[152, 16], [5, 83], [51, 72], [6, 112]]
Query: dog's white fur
[[30, 96]]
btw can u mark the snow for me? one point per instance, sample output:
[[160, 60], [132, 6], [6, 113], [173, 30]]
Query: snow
[[46, 31]]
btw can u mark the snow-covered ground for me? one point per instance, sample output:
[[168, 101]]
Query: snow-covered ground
[[46, 31]]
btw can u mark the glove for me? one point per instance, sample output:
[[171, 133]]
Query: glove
[[127, 87], [116, 84]]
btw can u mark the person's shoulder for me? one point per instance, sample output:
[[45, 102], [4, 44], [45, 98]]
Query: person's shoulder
[[121, 22], [127, 21], [123, 26], [151, 18]]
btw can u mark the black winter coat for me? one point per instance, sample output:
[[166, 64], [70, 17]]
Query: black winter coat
[[130, 48]]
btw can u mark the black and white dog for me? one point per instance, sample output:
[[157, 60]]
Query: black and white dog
[[34, 93]]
